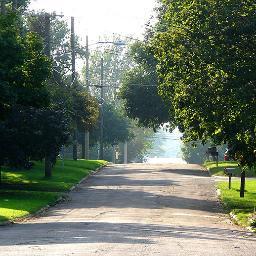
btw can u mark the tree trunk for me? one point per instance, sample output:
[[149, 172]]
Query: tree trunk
[[75, 145], [0, 176], [48, 166], [83, 156], [242, 187]]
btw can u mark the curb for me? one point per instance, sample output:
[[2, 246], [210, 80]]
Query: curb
[[231, 215], [60, 199], [85, 178]]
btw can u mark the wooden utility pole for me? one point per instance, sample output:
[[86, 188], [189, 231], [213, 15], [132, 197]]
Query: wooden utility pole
[[101, 153], [47, 50], [47, 34], [86, 134], [125, 152], [49, 157], [2, 6], [73, 77]]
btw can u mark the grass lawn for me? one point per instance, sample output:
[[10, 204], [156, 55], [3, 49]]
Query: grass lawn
[[243, 208], [219, 170], [25, 192]]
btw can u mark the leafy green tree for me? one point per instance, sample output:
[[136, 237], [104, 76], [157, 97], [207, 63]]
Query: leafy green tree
[[23, 67], [139, 89], [19, 5], [23, 72], [115, 129], [115, 62], [82, 107], [206, 66], [195, 152], [85, 110], [202, 59], [31, 133], [139, 144], [60, 44]]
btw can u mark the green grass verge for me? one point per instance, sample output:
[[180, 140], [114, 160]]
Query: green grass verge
[[243, 208], [219, 170], [17, 204], [25, 192]]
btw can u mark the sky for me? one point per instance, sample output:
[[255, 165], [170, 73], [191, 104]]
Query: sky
[[99, 18]]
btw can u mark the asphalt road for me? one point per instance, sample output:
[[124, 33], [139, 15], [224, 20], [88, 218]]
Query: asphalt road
[[134, 210]]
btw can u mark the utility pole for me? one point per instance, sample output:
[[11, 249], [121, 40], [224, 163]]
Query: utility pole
[[125, 152], [47, 51], [101, 155], [86, 134], [73, 77], [14, 5], [47, 34], [2, 6]]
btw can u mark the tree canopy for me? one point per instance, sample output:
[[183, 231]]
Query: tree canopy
[[115, 128], [23, 66], [38, 101], [139, 89], [206, 67]]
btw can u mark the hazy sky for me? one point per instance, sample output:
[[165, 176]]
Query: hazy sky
[[102, 17]]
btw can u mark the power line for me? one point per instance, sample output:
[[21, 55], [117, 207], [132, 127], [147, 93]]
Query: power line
[[144, 85]]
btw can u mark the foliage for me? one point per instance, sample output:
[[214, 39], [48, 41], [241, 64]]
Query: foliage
[[60, 44], [139, 89], [33, 133], [85, 110], [115, 129], [23, 72], [242, 208], [78, 104], [115, 62], [21, 5], [206, 67], [139, 145], [23, 67], [195, 152]]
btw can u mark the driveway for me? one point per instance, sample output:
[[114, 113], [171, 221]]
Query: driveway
[[134, 210]]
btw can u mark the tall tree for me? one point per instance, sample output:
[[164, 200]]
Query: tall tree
[[206, 66], [23, 66], [23, 72], [116, 126], [139, 89], [71, 94]]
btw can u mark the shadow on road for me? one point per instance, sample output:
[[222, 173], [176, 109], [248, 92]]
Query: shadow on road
[[198, 173], [111, 180], [105, 232], [131, 198]]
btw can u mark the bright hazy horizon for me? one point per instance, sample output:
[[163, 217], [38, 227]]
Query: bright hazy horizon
[[98, 18]]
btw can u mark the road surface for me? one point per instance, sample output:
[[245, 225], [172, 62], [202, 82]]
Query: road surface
[[133, 210]]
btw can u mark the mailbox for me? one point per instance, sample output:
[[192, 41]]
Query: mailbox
[[229, 171]]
